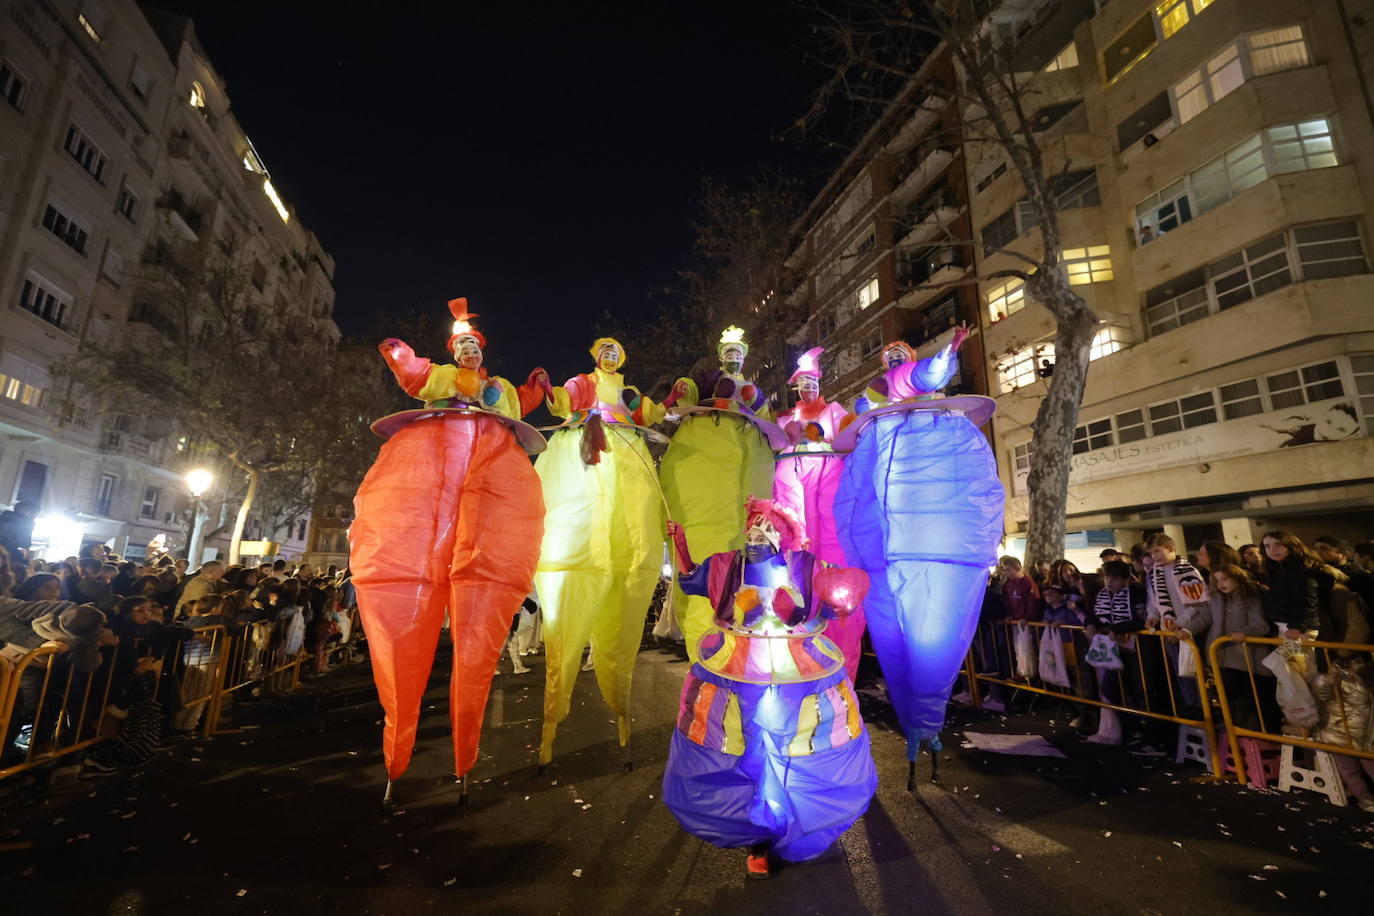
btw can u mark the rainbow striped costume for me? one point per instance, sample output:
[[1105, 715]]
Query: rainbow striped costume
[[769, 745]]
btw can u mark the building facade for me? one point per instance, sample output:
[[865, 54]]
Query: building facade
[[114, 134], [1214, 213]]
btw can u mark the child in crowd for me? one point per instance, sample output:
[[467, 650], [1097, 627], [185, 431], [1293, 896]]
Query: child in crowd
[[1118, 611], [1179, 600], [1236, 609], [1344, 689], [1020, 594]]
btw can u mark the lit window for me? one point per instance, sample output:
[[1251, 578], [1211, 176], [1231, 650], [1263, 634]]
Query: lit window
[[1175, 14], [1024, 366], [92, 19], [276, 200], [1088, 265], [1302, 146], [1064, 60], [867, 295], [1277, 49], [197, 97], [1007, 299], [24, 382], [1106, 341]]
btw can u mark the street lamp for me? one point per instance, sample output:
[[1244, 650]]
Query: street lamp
[[197, 482]]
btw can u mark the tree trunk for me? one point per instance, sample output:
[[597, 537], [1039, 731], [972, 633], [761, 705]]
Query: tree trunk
[[1055, 421], [241, 520]]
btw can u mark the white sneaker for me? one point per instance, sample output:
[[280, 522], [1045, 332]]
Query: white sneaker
[[1367, 804], [994, 705], [521, 671], [588, 666]]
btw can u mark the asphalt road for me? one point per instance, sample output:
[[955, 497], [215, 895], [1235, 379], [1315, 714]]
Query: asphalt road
[[285, 817]]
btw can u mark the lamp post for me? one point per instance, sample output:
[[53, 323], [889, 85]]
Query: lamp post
[[197, 482]]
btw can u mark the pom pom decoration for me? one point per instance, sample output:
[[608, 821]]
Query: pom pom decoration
[[792, 535]]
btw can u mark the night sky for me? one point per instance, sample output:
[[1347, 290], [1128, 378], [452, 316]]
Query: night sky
[[541, 161]]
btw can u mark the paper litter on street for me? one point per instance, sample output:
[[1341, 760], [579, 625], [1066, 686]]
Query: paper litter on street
[[1022, 745]]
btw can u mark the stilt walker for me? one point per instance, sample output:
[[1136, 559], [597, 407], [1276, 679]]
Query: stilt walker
[[770, 751], [920, 508], [449, 518], [806, 476], [721, 453], [603, 539]]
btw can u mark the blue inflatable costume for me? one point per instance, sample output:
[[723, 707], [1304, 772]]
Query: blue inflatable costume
[[920, 508]]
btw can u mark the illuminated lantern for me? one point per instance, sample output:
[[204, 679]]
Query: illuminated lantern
[[721, 453], [920, 508], [806, 476], [770, 751], [603, 536], [448, 519]]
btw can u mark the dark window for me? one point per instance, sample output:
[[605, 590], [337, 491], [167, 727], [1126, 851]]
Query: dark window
[[1076, 189], [1330, 250], [1000, 232], [62, 226], [12, 86], [1050, 115], [33, 480], [105, 495], [1150, 115], [127, 203], [1132, 43], [86, 153], [44, 303]]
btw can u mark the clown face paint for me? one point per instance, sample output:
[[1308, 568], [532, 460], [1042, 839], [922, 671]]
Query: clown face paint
[[894, 357], [732, 359], [808, 389], [608, 358], [469, 354]]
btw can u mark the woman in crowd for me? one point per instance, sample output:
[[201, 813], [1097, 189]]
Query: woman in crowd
[[40, 587], [1066, 576], [1298, 586], [1238, 611], [1213, 555]]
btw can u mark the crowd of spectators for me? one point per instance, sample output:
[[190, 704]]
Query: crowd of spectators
[[1280, 587], [152, 631]]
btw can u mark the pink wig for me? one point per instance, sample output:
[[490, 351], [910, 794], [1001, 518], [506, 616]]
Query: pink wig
[[790, 532]]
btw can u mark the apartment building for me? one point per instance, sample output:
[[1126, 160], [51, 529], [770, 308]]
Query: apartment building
[[884, 241], [1214, 201], [115, 133]]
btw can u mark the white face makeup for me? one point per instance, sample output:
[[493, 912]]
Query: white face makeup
[[894, 357], [608, 357], [808, 388], [761, 533], [469, 354], [732, 358]]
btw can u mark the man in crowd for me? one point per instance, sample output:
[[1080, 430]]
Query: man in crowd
[[16, 528], [1336, 552], [205, 582], [94, 587]]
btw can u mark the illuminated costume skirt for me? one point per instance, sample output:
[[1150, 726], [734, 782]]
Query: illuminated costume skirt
[[769, 746]]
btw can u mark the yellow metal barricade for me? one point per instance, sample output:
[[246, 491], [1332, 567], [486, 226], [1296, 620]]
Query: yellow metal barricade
[[63, 711], [1257, 696], [1147, 686]]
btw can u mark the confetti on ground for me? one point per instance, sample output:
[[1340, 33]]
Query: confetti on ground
[[1271, 868], [243, 892], [1106, 833], [450, 882], [383, 867], [577, 872]]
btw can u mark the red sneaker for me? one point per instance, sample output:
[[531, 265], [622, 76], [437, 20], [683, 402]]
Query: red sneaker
[[757, 863]]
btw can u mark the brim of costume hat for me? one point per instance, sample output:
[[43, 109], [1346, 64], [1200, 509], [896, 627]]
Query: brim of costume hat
[[528, 436], [771, 432], [975, 407]]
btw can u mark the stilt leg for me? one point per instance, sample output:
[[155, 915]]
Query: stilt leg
[[911, 775], [462, 789], [386, 798]]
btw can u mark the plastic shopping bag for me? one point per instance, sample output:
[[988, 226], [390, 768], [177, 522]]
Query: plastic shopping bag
[[1187, 659], [1103, 653], [1299, 706], [1024, 645], [1052, 667]]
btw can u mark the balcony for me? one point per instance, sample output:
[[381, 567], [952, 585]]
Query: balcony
[[179, 146], [928, 219], [926, 162], [923, 276], [926, 112], [129, 444], [181, 214]]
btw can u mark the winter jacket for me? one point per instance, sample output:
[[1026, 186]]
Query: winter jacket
[[1294, 595], [197, 587], [1021, 597], [1348, 615], [1347, 704], [16, 533], [17, 617], [1238, 613]]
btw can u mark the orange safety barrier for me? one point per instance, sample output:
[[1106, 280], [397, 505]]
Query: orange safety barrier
[[55, 704], [1147, 686], [1250, 697]]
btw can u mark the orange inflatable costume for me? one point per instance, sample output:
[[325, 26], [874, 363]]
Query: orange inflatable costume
[[449, 518]]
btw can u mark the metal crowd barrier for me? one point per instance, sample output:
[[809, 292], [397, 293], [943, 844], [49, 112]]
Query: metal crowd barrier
[[1149, 687], [48, 711], [1255, 697]]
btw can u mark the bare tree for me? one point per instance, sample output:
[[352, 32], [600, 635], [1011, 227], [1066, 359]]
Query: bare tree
[[873, 51], [202, 352]]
